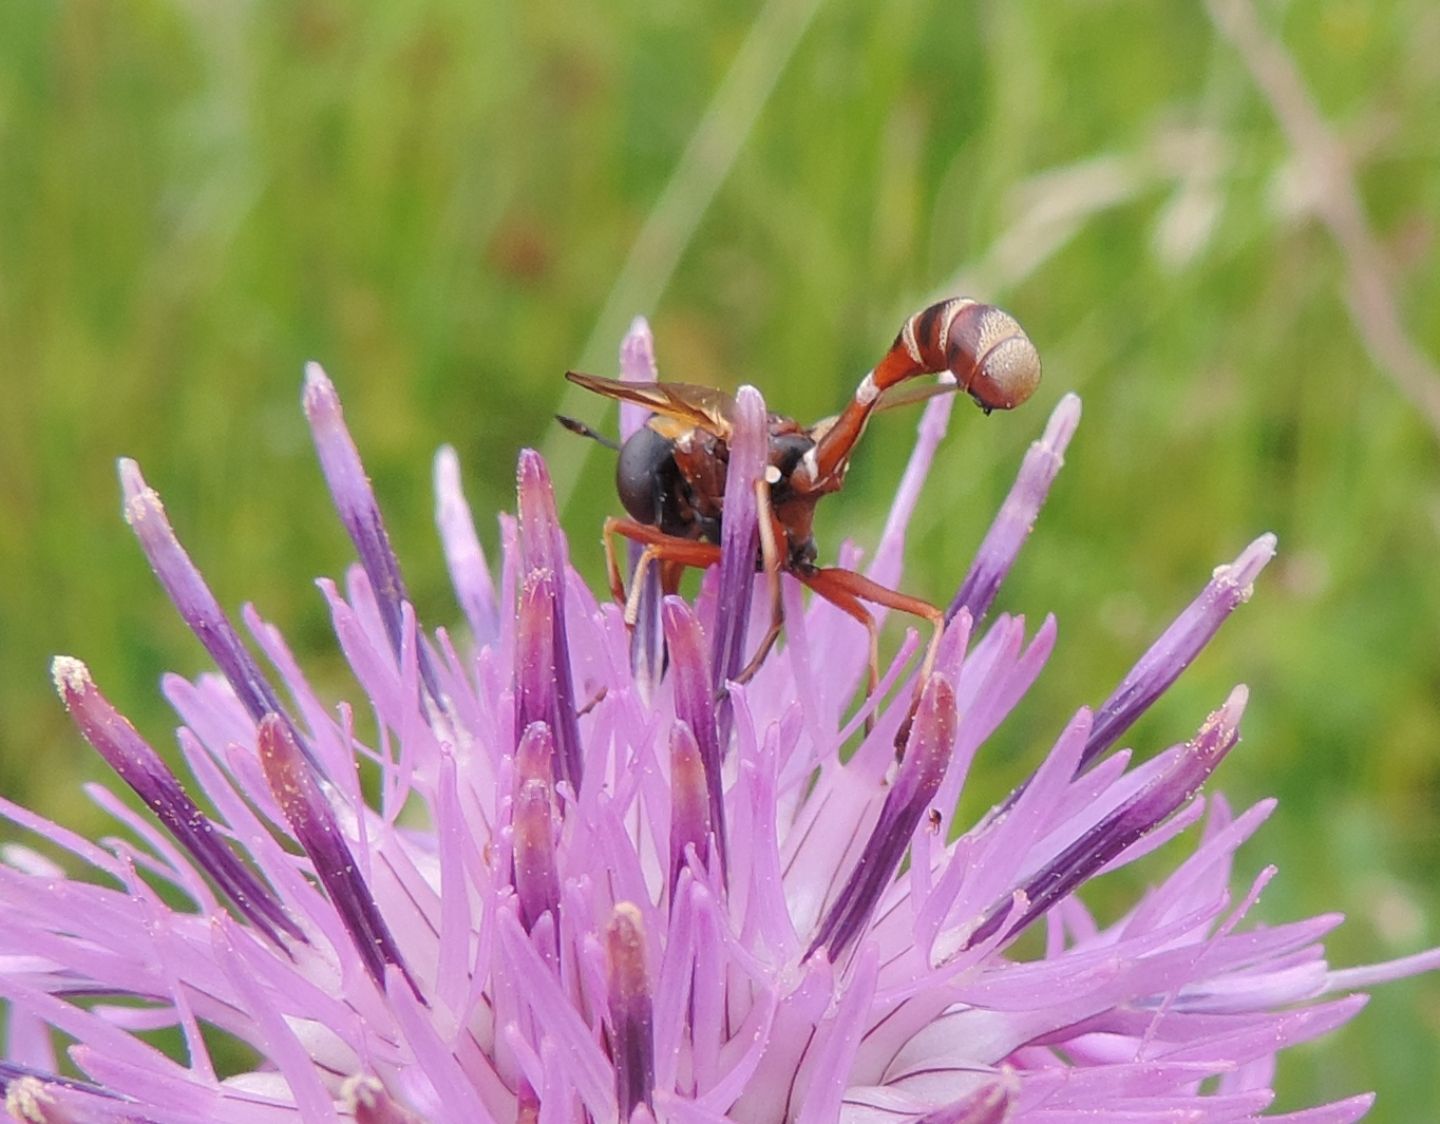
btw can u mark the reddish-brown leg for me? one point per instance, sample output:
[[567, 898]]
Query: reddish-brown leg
[[612, 564], [673, 554], [670, 575], [848, 603], [834, 584], [836, 580]]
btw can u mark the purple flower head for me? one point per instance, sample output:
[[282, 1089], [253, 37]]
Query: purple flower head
[[589, 877]]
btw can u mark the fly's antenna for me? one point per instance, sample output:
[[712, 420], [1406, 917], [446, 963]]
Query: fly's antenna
[[585, 431]]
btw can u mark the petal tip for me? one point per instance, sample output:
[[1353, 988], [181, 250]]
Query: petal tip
[[318, 396], [128, 469], [315, 375], [136, 495], [749, 398], [1239, 576], [1221, 728], [675, 613], [71, 677], [1064, 420], [531, 471], [1234, 706], [637, 352]]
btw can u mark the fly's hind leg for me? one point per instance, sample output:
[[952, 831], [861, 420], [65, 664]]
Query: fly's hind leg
[[825, 585], [861, 587], [835, 583]]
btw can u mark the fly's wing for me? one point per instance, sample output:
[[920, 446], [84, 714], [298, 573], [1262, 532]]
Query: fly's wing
[[911, 393], [893, 399], [702, 406]]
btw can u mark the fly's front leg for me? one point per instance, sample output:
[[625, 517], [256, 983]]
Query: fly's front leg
[[770, 556], [612, 564], [637, 584], [672, 552]]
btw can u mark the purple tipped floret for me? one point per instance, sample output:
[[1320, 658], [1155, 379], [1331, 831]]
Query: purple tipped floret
[[739, 541], [464, 556], [647, 642], [1130, 822], [542, 549], [1230, 586], [922, 768], [695, 704], [690, 796], [1017, 515], [360, 512], [537, 884], [631, 1012], [192, 597], [139, 766], [313, 823]]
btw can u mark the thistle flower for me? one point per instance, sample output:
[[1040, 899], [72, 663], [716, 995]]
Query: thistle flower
[[586, 890]]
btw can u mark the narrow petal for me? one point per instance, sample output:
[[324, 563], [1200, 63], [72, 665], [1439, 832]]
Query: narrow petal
[[535, 651], [542, 547], [359, 511], [587, 1071], [689, 803], [464, 556], [631, 1014], [1017, 515], [139, 766], [927, 755], [1371, 974], [282, 1042], [192, 597], [930, 431], [839, 1041], [647, 642], [537, 884], [1229, 587], [637, 364], [740, 540], [313, 823], [1135, 818], [695, 706], [1338, 1112]]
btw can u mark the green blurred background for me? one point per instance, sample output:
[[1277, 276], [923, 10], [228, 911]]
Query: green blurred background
[[449, 203]]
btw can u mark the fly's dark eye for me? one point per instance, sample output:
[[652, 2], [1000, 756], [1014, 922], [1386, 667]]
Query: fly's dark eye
[[640, 474]]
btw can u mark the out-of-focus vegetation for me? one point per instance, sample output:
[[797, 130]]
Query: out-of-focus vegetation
[[450, 203]]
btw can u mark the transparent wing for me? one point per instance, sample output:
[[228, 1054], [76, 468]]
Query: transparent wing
[[908, 395], [701, 406]]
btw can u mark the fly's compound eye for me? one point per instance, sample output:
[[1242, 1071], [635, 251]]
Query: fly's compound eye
[[640, 474]]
